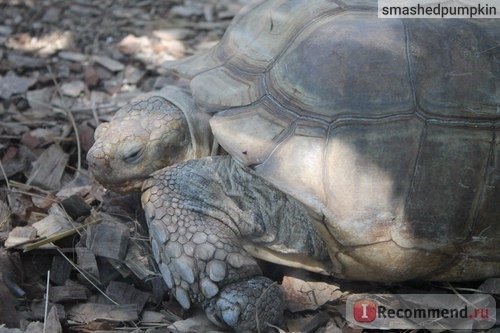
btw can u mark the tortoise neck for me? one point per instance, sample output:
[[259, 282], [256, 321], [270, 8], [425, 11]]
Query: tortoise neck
[[196, 119]]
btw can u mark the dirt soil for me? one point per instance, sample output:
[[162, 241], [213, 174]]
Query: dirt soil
[[65, 67]]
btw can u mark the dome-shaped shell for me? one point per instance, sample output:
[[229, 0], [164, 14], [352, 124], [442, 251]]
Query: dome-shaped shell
[[388, 128]]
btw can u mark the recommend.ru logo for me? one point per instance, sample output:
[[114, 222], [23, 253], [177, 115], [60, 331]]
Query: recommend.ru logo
[[421, 311]]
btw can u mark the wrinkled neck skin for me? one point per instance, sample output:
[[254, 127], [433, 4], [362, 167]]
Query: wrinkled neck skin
[[272, 225], [197, 120]]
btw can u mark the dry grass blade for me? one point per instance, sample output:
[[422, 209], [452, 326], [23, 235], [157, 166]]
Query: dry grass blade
[[86, 276], [46, 301], [72, 121], [6, 183]]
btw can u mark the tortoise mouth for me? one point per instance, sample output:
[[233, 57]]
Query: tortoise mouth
[[121, 186]]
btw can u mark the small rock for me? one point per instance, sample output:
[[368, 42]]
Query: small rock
[[13, 84], [72, 56], [109, 63], [73, 89]]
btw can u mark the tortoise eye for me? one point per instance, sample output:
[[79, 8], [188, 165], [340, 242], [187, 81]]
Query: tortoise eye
[[134, 155]]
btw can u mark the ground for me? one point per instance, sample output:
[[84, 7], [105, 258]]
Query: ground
[[64, 68]]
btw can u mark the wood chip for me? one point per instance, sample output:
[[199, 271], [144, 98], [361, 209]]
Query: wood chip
[[72, 56], [133, 74], [153, 317], [138, 259], [5, 216], [76, 207], [53, 223], [71, 291], [187, 10], [197, 323], [48, 169], [88, 312], [86, 261], [20, 235], [34, 327], [51, 15], [5, 30], [39, 100], [124, 293], [25, 61], [52, 324], [91, 76], [303, 295], [491, 286], [17, 160], [60, 270], [38, 310], [109, 239], [318, 320], [13, 84], [109, 63], [73, 89]]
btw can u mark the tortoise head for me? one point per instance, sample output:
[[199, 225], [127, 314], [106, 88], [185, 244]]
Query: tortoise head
[[142, 137]]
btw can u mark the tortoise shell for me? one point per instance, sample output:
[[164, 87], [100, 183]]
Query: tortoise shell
[[388, 130]]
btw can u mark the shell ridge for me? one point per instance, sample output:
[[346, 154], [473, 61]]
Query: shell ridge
[[288, 133], [300, 31]]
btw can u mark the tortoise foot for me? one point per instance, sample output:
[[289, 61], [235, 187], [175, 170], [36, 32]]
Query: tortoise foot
[[248, 306]]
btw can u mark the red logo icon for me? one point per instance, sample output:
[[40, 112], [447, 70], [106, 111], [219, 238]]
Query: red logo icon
[[365, 311]]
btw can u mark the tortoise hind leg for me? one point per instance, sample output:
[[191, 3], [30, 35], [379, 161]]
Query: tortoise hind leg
[[197, 250]]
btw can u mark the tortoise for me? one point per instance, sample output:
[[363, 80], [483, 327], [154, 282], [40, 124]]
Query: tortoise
[[358, 147]]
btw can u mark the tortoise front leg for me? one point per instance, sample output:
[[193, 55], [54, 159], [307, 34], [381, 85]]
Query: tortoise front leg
[[196, 246]]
